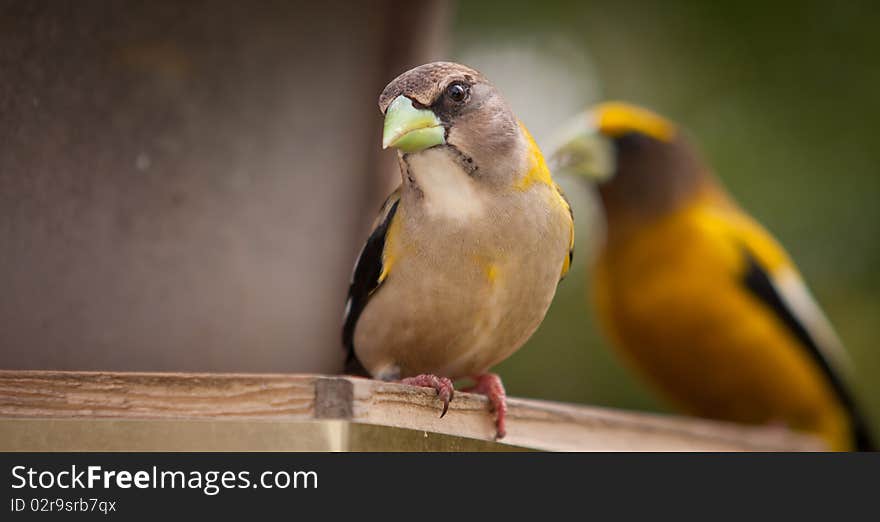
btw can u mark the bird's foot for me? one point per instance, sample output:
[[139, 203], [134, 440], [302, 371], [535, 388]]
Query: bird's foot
[[442, 385], [489, 384]]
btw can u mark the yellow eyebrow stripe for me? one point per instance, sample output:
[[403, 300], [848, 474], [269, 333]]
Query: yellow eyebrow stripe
[[615, 119]]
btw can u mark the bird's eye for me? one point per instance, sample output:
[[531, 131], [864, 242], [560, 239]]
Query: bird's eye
[[457, 92]]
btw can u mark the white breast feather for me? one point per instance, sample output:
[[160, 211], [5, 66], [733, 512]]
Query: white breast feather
[[449, 191]]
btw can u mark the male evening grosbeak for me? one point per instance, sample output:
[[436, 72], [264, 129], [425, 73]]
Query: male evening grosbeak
[[695, 293], [465, 255]]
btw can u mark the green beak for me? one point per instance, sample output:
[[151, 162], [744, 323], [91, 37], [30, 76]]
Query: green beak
[[579, 148], [409, 129]]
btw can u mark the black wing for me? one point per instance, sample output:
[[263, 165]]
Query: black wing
[[365, 281], [758, 281]]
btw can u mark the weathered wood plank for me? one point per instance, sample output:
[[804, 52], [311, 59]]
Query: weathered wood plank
[[154, 395], [234, 398], [229, 434]]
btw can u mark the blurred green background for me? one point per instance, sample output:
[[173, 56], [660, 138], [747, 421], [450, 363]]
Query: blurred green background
[[782, 100]]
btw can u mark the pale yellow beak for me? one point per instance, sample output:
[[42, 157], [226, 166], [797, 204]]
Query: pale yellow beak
[[579, 148], [409, 129]]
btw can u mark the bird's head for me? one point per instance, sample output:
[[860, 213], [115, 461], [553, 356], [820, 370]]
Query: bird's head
[[448, 105], [642, 163], [597, 144]]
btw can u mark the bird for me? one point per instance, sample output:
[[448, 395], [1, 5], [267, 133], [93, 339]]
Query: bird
[[465, 256], [694, 293]]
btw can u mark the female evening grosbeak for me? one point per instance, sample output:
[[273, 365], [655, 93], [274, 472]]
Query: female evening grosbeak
[[695, 293], [465, 255]]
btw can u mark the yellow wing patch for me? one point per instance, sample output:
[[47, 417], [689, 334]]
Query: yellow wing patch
[[788, 282], [735, 224], [389, 253]]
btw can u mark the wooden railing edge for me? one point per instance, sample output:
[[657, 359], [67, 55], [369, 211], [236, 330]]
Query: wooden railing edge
[[535, 424]]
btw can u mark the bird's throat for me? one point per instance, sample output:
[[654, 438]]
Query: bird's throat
[[448, 190]]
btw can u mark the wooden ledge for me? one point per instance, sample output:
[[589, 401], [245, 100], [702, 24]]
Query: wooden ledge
[[45, 411]]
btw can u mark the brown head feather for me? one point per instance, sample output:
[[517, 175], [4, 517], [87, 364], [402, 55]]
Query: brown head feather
[[481, 131], [656, 172], [425, 83]]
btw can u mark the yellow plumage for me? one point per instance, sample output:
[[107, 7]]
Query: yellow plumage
[[538, 172], [672, 298], [699, 298]]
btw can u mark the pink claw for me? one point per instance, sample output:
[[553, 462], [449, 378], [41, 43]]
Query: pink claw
[[489, 384], [442, 385]]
